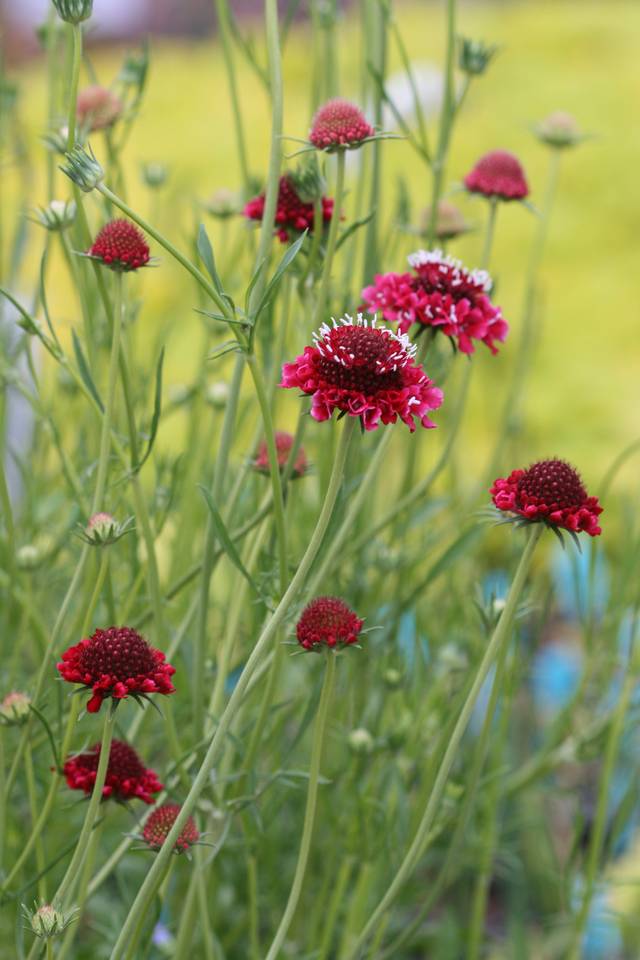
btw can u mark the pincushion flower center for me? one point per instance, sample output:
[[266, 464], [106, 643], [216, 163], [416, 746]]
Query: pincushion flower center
[[553, 483], [359, 358], [118, 657]]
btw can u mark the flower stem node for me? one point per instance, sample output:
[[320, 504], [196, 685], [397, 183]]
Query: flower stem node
[[15, 708], [82, 168], [48, 922], [74, 11], [474, 56]]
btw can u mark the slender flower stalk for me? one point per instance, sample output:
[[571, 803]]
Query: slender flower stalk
[[597, 837], [447, 116], [332, 239], [258, 654], [310, 809], [76, 35], [82, 846], [420, 841]]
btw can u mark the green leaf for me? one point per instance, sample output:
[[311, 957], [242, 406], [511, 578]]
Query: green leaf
[[83, 369], [353, 227], [280, 270], [206, 255], [227, 543], [155, 418]]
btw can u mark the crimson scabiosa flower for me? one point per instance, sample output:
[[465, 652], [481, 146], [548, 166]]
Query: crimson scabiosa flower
[[293, 215], [365, 371], [549, 492], [339, 125], [442, 294], [120, 245], [117, 663], [159, 823], [284, 442], [97, 108], [498, 175], [126, 779], [327, 621]]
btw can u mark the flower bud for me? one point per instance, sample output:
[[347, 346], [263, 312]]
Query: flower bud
[[155, 175], [474, 56], [83, 168], [29, 557], [308, 181], [58, 215], [223, 204], [361, 743], [559, 130], [98, 108], [103, 530], [217, 394], [392, 678], [47, 922], [15, 707], [74, 11], [450, 221]]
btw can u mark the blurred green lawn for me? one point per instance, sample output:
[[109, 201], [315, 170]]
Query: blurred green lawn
[[581, 57]]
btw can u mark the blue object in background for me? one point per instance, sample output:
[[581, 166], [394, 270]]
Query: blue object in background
[[570, 572], [555, 675]]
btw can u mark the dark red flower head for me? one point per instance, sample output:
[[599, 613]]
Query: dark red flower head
[[293, 215], [126, 778], [117, 663], [338, 125], [442, 294], [498, 174], [121, 246], [365, 371], [159, 824], [329, 621], [284, 442], [550, 492]]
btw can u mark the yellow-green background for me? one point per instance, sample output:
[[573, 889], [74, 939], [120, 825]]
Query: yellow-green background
[[581, 57]]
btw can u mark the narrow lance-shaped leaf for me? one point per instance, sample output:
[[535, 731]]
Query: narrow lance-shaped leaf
[[85, 373], [226, 542], [155, 418], [282, 267]]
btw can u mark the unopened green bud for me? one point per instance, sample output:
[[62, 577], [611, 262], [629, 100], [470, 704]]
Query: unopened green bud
[[559, 130], [361, 742], [74, 11], [28, 557], [155, 175], [48, 922], [308, 181], [474, 56], [83, 168], [223, 204], [392, 678], [58, 215]]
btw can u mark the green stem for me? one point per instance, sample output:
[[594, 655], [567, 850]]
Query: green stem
[[259, 652], [310, 810], [33, 807], [489, 234], [274, 468], [500, 636], [447, 115], [332, 239], [76, 33], [222, 11], [335, 903], [82, 846], [599, 827]]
